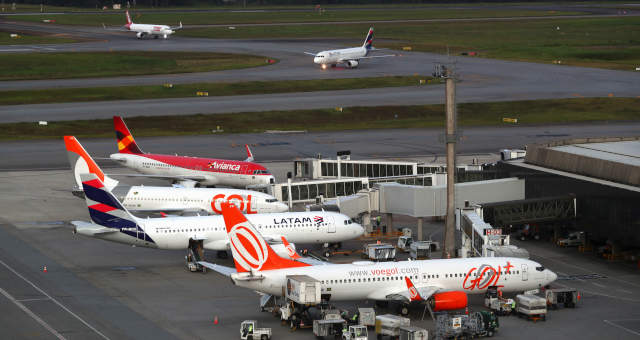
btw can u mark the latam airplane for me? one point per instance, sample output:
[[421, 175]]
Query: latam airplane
[[113, 222], [443, 283], [348, 56], [143, 30], [188, 171], [174, 199]]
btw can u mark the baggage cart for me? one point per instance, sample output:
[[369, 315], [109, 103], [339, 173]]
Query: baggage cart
[[366, 317], [379, 252], [329, 327], [356, 332], [532, 307], [569, 297], [413, 333], [389, 325]]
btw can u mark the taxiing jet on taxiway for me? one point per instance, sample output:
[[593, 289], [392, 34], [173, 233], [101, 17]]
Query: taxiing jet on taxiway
[[143, 30], [443, 283], [348, 56], [188, 171]]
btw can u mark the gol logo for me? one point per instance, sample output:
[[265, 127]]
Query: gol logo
[[290, 250], [486, 276], [237, 200], [251, 250], [413, 293]]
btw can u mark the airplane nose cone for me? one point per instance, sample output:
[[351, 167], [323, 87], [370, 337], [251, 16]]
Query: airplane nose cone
[[281, 207], [358, 229], [551, 276]]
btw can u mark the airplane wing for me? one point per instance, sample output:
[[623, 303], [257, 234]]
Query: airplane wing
[[92, 229], [226, 271], [380, 56], [121, 29], [175, 28], [185, 181], [404, 295], [310, 53]]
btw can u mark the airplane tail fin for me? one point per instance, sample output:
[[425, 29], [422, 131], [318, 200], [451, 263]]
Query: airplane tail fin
[[104, 208], [126, 143], [249, 249], [368, 41], [249, 154], [82, 163], [291, 251], [129, 22], [414, 295]]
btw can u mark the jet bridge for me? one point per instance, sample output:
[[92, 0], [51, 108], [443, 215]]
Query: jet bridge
[[481, 239]]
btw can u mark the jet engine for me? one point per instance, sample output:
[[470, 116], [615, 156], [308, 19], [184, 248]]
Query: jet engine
[[448, 301], [140, 35], [352, 63]]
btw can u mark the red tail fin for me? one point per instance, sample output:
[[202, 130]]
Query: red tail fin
[[249, 249], [290, 250], [129, 22], [126, 143], [414, 295]]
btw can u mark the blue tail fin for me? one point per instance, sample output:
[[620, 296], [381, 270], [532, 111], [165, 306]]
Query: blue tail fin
[[368, 42], [104, 208]]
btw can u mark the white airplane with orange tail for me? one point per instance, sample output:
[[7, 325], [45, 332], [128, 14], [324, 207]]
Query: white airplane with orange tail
[[143, 30], [444, 284]]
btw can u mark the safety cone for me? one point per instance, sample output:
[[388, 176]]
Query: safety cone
[[466, 310], [215, 320], [44, 269]]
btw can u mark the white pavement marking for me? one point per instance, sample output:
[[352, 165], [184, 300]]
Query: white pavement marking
[[612, 323], [598, 285], [596, 293], [36, 299], [30, 313], [16, 50], [54, 300], [625, 291]]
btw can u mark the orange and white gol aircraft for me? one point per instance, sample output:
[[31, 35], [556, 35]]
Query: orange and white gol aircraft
[[443, 283]]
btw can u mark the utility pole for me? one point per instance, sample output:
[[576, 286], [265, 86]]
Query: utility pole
[[450, 138]]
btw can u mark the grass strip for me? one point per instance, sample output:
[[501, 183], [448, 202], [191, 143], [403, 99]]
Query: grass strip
[[15, 66], [27, 38], [258, 17], [213, 89], [595, 42], [383, 117]]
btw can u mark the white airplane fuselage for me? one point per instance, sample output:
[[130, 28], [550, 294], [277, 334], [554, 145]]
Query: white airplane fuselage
[[345, 55], [207, 200], [175, 232], [146, 29], [232, 174], [365, 280]]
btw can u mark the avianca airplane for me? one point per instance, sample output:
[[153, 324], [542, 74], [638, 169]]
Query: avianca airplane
[[155, 31], [444, 283], [348, 56], [170, 199], [113, 222], [188, 171]]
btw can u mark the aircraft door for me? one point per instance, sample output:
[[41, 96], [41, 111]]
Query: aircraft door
[[525, 274], [331, 224]]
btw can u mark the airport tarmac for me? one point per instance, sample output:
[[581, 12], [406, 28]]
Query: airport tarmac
[[364, 144], [124, 292]]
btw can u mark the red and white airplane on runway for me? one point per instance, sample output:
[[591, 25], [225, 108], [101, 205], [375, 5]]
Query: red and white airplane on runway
[[143, 198], [444, 283], [155, 31], [188, 171]]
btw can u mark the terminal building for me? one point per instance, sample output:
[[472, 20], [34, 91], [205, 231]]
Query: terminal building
[[603, 174]]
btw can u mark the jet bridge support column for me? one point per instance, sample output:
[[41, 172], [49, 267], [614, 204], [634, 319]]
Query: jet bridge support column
[[420, 220], [389, 218]]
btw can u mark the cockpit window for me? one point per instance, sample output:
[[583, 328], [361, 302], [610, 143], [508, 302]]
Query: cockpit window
[[271, 200], [260, 172], [541, 268]]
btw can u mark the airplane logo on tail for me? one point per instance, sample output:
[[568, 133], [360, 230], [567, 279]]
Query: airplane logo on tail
[[414, 295], [252, 250]]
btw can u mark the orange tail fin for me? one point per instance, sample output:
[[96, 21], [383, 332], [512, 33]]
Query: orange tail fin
[[249, 249], [414, 295]]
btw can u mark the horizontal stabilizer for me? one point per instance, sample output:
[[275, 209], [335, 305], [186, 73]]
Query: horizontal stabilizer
[[226, 271], [91, 229]]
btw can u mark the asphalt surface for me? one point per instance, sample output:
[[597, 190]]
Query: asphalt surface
[[405, 143], [480, 79], [138, 293]]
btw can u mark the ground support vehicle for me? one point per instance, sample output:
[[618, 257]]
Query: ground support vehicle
[[329, 327], [389, 325], [413, 333], [356, 332], [569, 297], [532, 307], [379, 252], [249, 331], [494, 301], [301, 293], [420, 250], [574, 239], [473, 325], [366, 317]]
